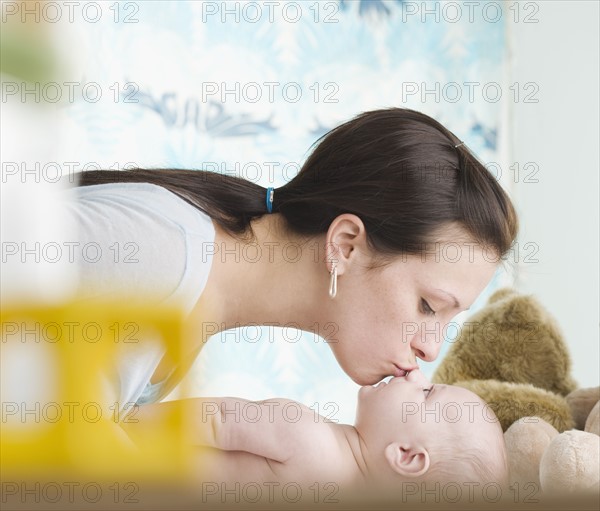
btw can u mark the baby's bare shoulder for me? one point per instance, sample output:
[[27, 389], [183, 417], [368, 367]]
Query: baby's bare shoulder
[[304, 426], [321, 452], [288, 411]]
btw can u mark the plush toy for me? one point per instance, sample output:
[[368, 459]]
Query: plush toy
[[511, 353], [571, 464], [581, 402], [526, 440], [592, 424], [511, 401], [561, 464]]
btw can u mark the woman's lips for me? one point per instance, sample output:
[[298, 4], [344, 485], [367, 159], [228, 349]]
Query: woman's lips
[[399, 372]]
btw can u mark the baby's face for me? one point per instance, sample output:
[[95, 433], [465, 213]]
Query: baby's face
[[410, 409]]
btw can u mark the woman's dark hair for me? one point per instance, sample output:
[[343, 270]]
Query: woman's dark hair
[[398, 170]]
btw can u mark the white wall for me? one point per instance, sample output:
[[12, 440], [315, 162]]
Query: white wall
[[560, 134]]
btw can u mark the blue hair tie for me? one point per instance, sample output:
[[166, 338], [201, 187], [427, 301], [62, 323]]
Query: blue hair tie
[[270, 193]]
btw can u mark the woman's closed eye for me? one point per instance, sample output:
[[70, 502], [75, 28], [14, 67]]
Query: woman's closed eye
[[428, 391], [426, 309]]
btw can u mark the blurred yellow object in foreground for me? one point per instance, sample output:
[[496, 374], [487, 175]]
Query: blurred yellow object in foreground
[[57, 414]]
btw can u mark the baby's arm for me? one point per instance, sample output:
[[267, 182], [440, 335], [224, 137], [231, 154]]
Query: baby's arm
[[275, 428]]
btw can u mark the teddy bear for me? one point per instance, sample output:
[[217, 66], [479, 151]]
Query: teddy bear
[[512, 354]]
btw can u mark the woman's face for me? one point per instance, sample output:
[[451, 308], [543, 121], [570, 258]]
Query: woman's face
[[384, 317]]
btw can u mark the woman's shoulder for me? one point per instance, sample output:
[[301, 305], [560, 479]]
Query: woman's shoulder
[[146, 196], [150, 243], [118, 189], [152, 199]]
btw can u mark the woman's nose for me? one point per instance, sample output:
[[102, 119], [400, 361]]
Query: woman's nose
[[425, 347]]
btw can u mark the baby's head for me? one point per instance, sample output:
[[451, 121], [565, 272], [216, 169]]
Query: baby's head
[[415, 431]]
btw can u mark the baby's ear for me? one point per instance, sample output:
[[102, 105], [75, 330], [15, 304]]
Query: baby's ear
[[407, 460]]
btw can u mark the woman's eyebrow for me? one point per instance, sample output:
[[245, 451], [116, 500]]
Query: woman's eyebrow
[[456, 304]]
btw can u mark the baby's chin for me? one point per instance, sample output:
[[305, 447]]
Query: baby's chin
[[365, 389]]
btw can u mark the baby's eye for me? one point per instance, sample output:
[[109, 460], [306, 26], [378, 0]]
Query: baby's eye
[[426, 308], [428, 391]]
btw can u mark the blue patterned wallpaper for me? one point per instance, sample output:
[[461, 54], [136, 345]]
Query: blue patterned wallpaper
[[241, 87]]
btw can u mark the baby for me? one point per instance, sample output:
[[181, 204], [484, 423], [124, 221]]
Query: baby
[[406, 430]]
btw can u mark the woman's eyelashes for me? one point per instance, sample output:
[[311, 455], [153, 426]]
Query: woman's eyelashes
[[428, 391], [426, 309]]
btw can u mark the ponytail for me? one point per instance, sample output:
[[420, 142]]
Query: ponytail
[[403, 173]]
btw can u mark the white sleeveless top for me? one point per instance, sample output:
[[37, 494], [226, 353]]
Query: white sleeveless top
[[142, 243]]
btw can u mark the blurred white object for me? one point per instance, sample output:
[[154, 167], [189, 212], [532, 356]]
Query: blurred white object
[[35, 264]]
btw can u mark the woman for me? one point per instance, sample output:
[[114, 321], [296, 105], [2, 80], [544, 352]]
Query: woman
[[394, 228]]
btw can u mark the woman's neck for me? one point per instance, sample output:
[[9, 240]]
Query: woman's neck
[[274, 280]]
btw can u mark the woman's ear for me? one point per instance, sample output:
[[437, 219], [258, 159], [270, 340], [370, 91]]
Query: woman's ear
[[345, 235], [407, 460]]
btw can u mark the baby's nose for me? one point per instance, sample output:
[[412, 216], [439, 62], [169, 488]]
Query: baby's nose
[[417, 376]]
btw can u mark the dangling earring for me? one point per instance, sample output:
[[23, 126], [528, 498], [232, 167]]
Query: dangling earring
[[333, 282]]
